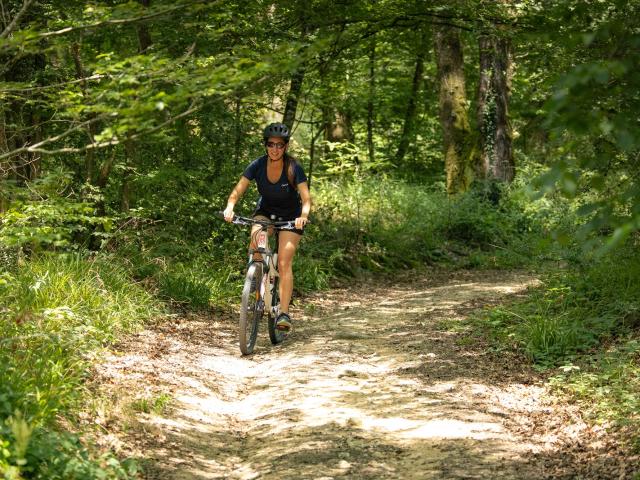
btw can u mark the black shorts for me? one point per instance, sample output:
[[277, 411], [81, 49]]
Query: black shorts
[[263, 213]]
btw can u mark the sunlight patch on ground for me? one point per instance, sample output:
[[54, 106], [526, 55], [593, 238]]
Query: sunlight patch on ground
[[372, 389]]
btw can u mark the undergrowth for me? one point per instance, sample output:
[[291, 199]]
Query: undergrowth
[[584, 323], [607, 384], [358, 227], [384, 225], [57, 312]]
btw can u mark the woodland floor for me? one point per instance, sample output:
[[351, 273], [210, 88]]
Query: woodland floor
[[376, 381]]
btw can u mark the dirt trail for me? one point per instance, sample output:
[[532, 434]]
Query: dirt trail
[[375, 383]]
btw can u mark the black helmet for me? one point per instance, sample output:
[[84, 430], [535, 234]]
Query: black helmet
[[276, 130]]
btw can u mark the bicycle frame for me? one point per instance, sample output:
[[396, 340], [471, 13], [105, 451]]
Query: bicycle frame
[[269, 265], [261, 282]]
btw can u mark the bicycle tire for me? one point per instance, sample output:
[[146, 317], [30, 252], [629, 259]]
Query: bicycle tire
[[276, 336], [250, 309]]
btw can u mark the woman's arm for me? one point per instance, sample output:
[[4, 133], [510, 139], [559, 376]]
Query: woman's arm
[[305, 196], [236, 194]]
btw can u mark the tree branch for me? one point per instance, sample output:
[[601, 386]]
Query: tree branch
[[105, 23], [93, 146], [186, 55], [7, 31], [54, 85]]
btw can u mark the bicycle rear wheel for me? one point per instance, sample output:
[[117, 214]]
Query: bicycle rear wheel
[[276, 336], [251, 308]]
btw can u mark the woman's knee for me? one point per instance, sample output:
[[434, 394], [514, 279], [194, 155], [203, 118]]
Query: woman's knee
[[285, 266]]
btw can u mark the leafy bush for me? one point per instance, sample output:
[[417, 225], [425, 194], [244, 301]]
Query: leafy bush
[[42, 454], [380, 224], [46, 219]]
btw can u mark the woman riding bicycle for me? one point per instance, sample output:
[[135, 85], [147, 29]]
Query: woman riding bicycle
[[284, 194]]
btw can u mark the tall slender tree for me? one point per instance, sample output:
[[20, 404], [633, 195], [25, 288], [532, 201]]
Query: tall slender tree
[[408, 130], [371, 98], [297, 78], [144, 35]]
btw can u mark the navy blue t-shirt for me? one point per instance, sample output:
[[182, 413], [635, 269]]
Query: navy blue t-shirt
[[280, 198]]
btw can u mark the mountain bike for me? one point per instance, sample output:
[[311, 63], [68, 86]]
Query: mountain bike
[[260, 291]]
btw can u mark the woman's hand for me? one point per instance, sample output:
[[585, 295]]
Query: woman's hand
[[236, 194], [228, 213], [301, 222]]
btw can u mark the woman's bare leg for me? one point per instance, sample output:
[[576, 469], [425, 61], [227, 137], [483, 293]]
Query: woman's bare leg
[[288, 244], [254, 230]]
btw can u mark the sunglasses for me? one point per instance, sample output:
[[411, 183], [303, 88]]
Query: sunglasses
[[279, 146]]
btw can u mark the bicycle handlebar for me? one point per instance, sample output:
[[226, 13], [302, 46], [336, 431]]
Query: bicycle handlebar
[[238, 220]]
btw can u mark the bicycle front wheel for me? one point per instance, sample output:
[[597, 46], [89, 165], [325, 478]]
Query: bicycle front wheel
[[251, 308]]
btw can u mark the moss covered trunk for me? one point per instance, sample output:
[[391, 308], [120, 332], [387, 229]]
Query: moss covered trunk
[[496, 154], [459, 143]]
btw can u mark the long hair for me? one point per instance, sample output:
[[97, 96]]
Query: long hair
[[290, 167]]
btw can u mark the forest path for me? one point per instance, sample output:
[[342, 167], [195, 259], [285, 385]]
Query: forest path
[[377, 382]]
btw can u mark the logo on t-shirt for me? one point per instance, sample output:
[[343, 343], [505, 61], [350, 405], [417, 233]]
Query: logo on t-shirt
[[284, 185]]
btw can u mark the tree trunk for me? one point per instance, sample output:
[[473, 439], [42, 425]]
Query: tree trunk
[[410, 116], [35, 159], [105, 169], [4, 164], [459, 146], [292, 98], [295, 87], [144, 37], [89, 159], [238, 137], [28, 127], [4, 144], [504, 166], [496, 154], [372, 95], [484, 113], [312, 152], [125, 194], [144, 41]]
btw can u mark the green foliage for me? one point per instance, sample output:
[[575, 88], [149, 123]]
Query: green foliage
[[58, 311], [607, 385], [129, 146], [592, 115], [375, 224], [311, 271], [43, 217], [184, 288], [49, 455], [585, 321], [346, 159], [200, 283], [157, 404], [381, 224], [574, 310]]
